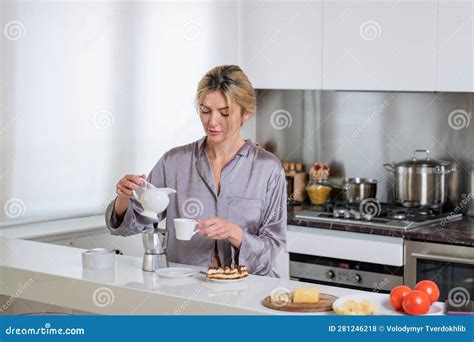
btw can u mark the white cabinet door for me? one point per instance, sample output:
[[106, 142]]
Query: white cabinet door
[[379, 45], [281, 43], [455, 45]]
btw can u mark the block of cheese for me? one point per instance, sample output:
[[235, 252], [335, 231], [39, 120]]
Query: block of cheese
[[306, 295]]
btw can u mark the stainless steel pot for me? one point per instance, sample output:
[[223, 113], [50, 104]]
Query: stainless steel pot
[[358, 189], [420, 182], [351, 189]]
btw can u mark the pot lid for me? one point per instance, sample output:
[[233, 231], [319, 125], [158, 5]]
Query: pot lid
[[419, 160]]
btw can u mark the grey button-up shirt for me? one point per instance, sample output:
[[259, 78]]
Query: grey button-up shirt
[[252, 195]]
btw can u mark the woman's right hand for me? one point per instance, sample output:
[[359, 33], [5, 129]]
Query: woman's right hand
[[128, 183], [124, 188]]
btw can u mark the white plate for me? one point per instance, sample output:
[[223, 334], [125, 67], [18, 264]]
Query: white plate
[[382, 301], [176, 272], [227, 280]]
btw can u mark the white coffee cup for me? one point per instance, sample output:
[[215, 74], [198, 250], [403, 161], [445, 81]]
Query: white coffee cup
[[185, 228]]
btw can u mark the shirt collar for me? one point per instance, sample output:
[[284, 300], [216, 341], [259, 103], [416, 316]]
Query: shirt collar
[[243, 151]]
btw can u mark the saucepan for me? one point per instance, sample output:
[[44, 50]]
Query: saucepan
[[358, 189], [352, 189]]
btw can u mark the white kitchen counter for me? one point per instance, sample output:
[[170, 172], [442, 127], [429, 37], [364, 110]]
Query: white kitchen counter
[[53, 274]]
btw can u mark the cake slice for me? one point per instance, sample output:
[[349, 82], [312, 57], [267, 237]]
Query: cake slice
[[306, 295], [227, 273]]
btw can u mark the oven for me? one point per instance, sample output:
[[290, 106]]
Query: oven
[[345, 273], [353, 260], [450, 266]]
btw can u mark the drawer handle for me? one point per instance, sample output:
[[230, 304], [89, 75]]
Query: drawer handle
[[443, 258]]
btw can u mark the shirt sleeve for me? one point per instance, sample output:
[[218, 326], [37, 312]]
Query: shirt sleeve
[[258, 252], [132, 222]]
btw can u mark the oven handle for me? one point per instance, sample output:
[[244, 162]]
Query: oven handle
[[443, 258]]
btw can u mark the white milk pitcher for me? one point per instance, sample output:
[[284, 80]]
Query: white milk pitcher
[[154, 200]]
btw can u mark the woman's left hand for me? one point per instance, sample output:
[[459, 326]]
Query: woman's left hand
[[219, 229]]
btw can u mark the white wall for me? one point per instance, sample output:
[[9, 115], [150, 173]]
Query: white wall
[[94, 90]]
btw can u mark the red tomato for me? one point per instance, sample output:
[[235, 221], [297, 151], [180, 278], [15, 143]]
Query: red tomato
[[430, 288], [416, 303], [396, 296]]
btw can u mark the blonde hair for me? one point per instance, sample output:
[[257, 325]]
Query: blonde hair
[[232, 82]]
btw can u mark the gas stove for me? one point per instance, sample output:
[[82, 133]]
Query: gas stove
[[375, 214]]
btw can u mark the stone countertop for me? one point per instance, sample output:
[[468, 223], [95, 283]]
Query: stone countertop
[[459, 232]]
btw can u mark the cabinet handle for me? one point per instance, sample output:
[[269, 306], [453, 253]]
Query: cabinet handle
[[443, 258]]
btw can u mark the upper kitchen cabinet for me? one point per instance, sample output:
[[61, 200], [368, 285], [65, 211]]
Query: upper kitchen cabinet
[[379, 45], [281, 43], [455, 45]]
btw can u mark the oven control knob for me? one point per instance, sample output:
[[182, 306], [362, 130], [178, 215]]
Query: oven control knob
[[356, 278], [330, 274]]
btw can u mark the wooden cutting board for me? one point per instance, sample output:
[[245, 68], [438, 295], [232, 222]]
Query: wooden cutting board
[[325, 304]]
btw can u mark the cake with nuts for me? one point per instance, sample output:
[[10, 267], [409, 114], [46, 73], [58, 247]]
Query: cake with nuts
[[227, 272]]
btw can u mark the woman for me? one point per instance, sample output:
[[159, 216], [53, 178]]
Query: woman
[[236, 190]]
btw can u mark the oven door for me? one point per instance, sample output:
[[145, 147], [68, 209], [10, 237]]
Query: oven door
[[450, 267], [345, 273]]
